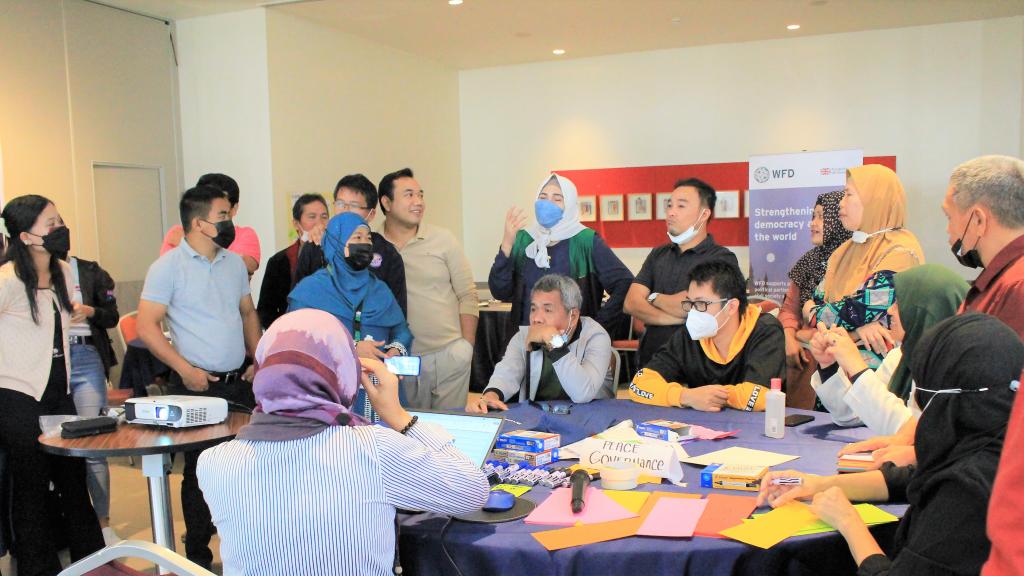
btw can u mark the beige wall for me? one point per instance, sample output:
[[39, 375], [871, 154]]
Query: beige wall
[[340, 104], [34, 121], [934, 96], [83, 83]]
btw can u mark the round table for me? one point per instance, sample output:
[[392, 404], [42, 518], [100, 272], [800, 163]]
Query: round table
[[155, 445], [510, 549]]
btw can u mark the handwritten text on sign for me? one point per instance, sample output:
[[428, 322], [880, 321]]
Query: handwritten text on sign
[[654, 457]]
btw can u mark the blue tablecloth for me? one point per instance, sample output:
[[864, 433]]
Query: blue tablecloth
[[509, 549]]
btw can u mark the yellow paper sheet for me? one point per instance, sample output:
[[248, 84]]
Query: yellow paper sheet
[[739, 455], [516, 490], [629, 499], [871, 515], [773, 527]]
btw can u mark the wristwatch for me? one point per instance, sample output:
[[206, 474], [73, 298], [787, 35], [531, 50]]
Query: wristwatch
[[650, 299]]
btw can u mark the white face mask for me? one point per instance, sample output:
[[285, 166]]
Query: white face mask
[[559, 340], [702, 325], [304, 237], [935, 394], [687, 234], [860, 237]]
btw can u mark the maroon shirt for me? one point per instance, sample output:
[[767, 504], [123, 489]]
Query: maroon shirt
[[999, 290]]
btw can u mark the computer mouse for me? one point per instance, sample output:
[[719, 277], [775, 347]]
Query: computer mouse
[[499, 501]]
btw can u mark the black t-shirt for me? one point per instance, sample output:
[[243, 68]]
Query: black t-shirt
[[763, 357], [667, 271], [57, 384]]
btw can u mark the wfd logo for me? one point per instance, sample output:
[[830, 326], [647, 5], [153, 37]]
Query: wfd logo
[[762, 174]]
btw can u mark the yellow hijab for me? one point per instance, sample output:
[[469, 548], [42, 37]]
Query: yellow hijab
[[885, 206]]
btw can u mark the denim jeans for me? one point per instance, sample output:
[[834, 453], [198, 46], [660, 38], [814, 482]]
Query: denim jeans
[[89, 391]]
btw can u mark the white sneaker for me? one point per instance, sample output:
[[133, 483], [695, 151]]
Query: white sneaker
[[110, 537]]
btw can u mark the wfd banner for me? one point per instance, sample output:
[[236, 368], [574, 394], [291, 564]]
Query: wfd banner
[[783, 189]]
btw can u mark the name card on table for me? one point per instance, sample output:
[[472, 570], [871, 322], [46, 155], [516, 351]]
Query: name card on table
[[654, 457]]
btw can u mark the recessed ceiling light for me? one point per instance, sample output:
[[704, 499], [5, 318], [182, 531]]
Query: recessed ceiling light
[[793, 27], [454, 2], [558, 51]]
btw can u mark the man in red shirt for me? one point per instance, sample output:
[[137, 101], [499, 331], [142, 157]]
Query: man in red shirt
[[985, 208]]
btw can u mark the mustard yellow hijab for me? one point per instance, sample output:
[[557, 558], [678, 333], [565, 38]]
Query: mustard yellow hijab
[[885, 206]]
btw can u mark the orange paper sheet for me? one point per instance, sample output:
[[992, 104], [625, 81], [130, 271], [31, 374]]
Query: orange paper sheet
[[724, 511], [774, 527], [604, 531]]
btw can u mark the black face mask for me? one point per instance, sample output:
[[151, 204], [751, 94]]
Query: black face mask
[[225, 233], [57, 242], [359, 256], [971, 258]]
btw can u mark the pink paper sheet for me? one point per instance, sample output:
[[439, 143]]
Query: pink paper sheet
[[702, 433], [557, 512], [673, 517]]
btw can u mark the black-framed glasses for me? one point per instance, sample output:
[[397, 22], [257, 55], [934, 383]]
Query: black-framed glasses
[[701, 305]]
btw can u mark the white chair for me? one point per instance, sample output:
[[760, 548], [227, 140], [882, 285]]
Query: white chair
[[167, 561]]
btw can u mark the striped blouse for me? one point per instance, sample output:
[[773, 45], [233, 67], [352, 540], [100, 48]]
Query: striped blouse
[[326, 504]]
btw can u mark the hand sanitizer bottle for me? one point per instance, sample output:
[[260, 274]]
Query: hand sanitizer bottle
[[775, 411]]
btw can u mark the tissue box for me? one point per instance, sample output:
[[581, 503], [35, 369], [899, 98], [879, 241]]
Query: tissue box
[[528, 441], [668, 430], [531, 458], [733, 477]]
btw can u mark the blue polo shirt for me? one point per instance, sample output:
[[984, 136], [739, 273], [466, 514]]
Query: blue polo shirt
[[202, 299]]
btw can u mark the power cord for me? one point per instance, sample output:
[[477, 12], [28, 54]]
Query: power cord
[[444, 547]]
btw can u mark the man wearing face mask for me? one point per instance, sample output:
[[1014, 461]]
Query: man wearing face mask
[[245, 243], [657, 293], [727, 354], [202, 290], [984, 205], [559, 356]]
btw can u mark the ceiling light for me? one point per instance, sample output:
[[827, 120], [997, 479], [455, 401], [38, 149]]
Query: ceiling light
[[454, 2], [558, 51], [676, 19], [793, 27]]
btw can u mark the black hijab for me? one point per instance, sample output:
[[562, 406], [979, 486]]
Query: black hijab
[[809, 270], [959, 436]]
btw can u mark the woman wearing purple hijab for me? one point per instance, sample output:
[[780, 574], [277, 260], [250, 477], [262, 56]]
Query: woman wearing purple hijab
[[307, 487]]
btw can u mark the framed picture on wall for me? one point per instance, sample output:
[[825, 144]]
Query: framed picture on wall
[[728, 204], [588, 208], [611, 208], [663, 199], [640, 207]]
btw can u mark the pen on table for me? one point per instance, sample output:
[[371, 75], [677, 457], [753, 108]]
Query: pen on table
[[787, 481]]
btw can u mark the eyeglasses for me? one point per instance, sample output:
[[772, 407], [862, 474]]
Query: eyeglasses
[[342, 206], [700, 305]]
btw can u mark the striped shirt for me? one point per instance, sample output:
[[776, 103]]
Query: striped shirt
[[326, 504]]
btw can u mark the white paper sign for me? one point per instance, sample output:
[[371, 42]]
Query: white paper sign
[[654, 457]]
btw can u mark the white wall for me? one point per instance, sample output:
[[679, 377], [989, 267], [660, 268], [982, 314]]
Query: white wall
[[933, 96], [342, 104], [225, 113]]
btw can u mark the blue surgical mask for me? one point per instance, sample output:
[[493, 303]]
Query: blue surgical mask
[[548, 213]]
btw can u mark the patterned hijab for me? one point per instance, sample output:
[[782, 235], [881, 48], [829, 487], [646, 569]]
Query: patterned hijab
[[809, 270], [307, 377]]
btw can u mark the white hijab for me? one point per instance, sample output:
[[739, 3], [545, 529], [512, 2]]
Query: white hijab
[[566, 228]]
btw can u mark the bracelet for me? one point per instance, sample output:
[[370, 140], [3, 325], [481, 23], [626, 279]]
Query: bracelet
[[410, 424]]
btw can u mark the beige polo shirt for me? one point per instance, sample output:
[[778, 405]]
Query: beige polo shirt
[[440, 287]]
